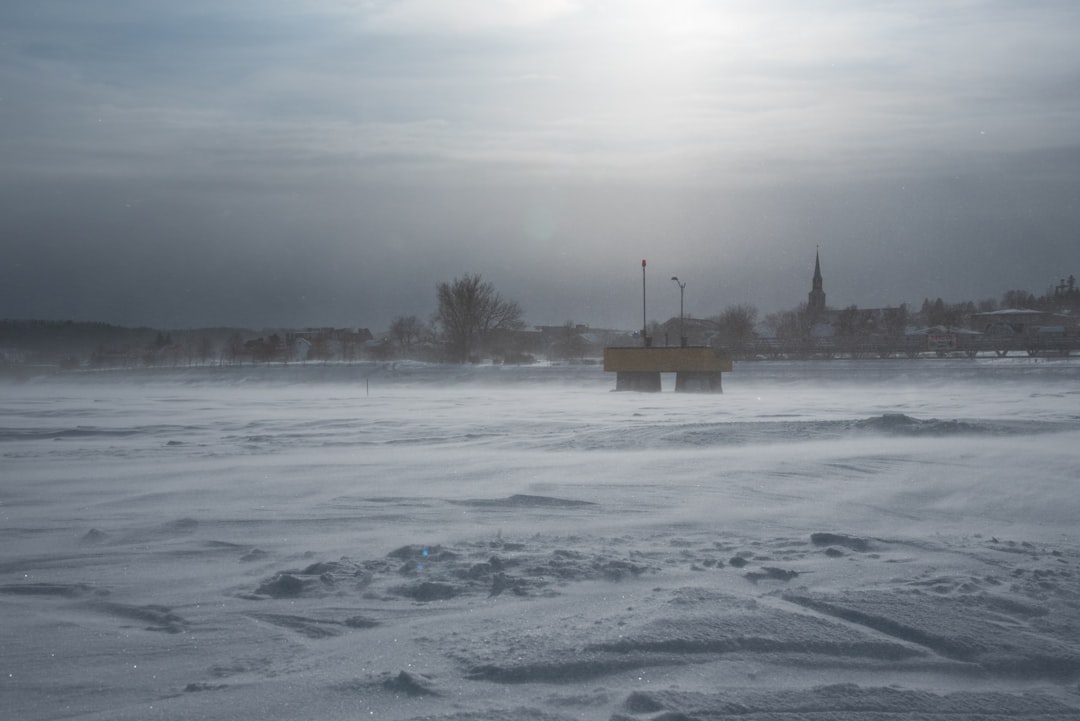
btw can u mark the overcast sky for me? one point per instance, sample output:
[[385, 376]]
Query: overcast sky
[[280, 163]]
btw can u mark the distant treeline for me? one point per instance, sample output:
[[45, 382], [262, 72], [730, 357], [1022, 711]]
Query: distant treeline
[[53, 339], [472, 322], [67, 342]]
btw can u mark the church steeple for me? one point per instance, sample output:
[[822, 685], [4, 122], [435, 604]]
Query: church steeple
[[816, 304]]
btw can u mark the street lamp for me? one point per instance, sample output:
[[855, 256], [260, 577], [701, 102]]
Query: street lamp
[[682, 329], [644, 323]]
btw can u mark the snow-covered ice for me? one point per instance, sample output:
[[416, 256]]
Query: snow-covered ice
[[829, 540]]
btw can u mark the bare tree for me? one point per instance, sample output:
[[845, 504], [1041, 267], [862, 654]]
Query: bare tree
[[205, 350], [406, 331], [470, 310], [736, 324], [896, 320], [1018, 299], [855, 322], [789, 324]]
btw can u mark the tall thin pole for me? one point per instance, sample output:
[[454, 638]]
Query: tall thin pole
[[644, 315], [682, 327]]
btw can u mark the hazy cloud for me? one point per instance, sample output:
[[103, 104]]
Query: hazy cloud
[[462, 16], [328, 162]]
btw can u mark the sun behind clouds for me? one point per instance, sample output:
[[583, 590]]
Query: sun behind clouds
[[464, 16]]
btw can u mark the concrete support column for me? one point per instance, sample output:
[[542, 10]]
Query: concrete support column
[[640, 381], [698, 382]]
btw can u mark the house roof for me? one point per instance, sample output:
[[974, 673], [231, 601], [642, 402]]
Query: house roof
[[1013, 311]]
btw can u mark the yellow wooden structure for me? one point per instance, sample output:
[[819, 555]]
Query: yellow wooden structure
[[639, 369]]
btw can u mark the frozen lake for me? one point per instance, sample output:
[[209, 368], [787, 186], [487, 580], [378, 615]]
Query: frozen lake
[[824, 540]]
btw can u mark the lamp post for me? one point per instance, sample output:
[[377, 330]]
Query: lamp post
[[682, 329], [644, 315]]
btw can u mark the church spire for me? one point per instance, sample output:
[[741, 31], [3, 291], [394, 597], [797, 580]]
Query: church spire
[[816, 303]]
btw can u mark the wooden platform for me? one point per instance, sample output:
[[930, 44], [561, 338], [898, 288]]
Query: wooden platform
[[639, 369]]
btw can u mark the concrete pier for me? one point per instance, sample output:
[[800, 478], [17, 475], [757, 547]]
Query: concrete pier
[[697, 370], [640, 381]]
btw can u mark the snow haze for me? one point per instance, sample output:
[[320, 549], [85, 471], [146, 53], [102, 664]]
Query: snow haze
[[404, 541]]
